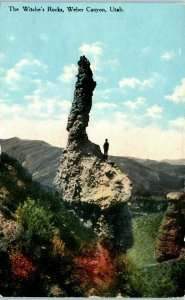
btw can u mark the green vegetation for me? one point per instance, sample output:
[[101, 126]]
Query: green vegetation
[[139, 275], [145, 231], [46, 250], [40, 234], [36, 221], [154, 281]]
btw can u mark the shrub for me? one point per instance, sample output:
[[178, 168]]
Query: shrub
[[36, 221], [58, 246], [125, 269], [73, 232], [21, 266], [155, 281]]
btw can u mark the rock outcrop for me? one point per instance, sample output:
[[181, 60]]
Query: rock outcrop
[[94, 188], [170, 243]]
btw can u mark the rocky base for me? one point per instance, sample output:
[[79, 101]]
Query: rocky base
[[97, 191], [170, 244], [88, 178]]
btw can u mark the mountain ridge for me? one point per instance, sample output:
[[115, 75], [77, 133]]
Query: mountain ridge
[[149, 176]]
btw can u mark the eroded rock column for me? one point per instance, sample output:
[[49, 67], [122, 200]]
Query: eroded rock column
[[170, 244], [94, 188]]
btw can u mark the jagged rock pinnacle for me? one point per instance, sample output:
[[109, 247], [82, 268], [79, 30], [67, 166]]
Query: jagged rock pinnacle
[[79, 115], [85, 85], [84, 178]]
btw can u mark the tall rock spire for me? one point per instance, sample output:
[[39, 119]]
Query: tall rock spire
[[79, 115], [95, 188]]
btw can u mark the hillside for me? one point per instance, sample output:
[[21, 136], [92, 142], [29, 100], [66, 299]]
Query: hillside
[[38, 157], [39, 238], [148, 176], [151, 176], [172, 167], [46, 250]]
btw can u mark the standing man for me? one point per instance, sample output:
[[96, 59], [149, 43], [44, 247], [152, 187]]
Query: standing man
[[106, 148]]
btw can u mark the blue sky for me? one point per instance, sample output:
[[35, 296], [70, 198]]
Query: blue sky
[[138, 62]]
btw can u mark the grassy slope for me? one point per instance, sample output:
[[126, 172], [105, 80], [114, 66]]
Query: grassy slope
[[147, 278], [145, 230]]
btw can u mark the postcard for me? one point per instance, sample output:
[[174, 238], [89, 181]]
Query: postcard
[[92, 157]]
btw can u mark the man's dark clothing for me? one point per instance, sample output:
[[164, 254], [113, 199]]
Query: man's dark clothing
[[106, 148]]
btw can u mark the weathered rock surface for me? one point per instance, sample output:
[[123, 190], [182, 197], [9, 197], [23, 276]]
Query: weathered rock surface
[[170, 244], [95, 188], [89, 179]]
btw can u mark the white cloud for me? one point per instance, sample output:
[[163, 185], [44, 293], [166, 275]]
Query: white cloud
[[23, 70], [65, 104], [39, 108], [43, 106], [178, 95], [35, 96], [103, 105], [130, 82], [178, 123], [69, 73], [35, 108], [93, 49], [154, 111], [30, 62], [133, 82], [168, 55], [126, 139], [12, 75], [47, 88], [10, 110], [171, 55], [11, 38], [49, 130], [22, 63], [44, 37], [134, 104], [35, 105], [93, 52]]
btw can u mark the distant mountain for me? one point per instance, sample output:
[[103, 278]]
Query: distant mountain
[[175, 161], [38, 157], [148, 176], [168, 161], [173, 169]]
